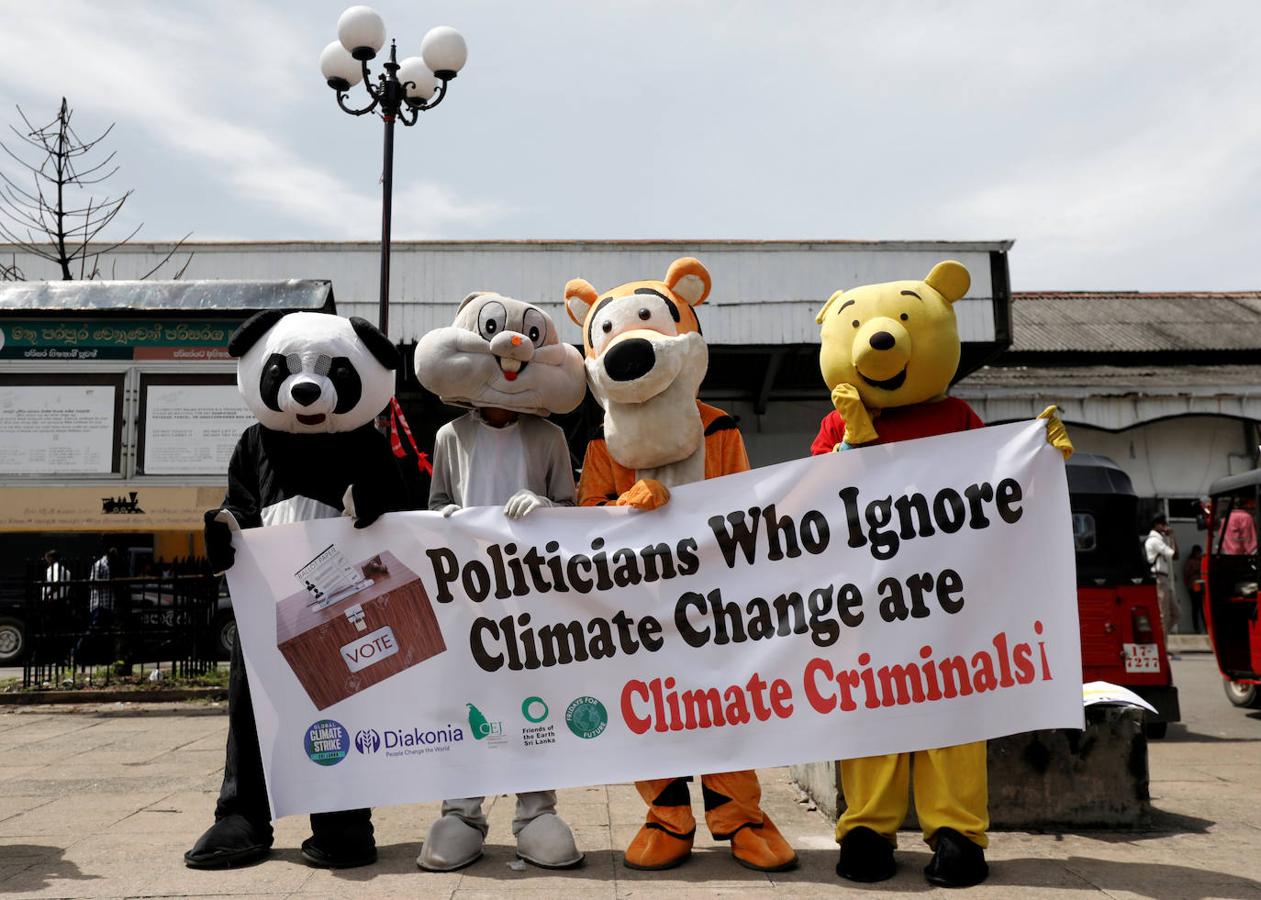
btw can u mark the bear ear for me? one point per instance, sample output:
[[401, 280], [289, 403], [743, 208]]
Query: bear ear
[[248, 332], [826, 306], [579, 297], [689, 280], [376, 342], [950, 279]]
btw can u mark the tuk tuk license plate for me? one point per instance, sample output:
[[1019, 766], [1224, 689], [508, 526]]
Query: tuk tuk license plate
[[1142, 657]]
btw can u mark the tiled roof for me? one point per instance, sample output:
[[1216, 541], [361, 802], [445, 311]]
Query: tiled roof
[[1122, 322]]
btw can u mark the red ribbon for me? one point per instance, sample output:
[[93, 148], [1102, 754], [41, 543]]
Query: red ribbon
[[396, 419]]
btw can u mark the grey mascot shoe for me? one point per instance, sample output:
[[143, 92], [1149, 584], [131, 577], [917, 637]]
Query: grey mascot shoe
[[548, 843], [450, 844]]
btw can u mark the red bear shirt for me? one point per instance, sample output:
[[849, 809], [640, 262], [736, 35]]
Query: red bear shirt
[[903, 423]]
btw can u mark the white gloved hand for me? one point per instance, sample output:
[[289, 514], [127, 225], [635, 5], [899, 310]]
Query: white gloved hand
[[449, 509], [522, 503]]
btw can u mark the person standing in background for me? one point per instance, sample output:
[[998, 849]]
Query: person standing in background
[[1162, 549], [1193, 578]]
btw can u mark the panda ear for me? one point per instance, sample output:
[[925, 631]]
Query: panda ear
[[377, 343], [253, 328]]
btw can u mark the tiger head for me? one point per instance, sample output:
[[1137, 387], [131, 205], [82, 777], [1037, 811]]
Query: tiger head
[[643, 337]]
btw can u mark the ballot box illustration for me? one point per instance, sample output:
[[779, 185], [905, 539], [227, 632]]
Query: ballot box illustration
[[354, 625]]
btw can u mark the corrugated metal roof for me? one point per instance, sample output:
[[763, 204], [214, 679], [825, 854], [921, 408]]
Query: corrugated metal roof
[[1123, 322], [765, 292], [1105, 381]]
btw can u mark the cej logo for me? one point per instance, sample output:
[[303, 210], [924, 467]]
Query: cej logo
[[587, 717], [367, 741], [327, 742], [483, 728]]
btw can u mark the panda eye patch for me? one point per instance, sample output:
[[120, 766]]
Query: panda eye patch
[[346, 382]]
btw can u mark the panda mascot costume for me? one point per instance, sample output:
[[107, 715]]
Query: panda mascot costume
[[645, 360], [316, 382], [888, 353], [504, 359]]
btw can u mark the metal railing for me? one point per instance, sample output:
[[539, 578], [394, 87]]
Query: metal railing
[[75, 624]]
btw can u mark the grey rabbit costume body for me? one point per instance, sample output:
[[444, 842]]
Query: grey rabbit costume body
[[502, 356]]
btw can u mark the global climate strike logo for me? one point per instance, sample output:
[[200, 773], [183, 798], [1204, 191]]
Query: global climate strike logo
[[327, 742], [587, 717], [367, 740]]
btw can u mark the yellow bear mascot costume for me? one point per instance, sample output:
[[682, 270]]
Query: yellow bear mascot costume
[[888, 354], [645, 362]]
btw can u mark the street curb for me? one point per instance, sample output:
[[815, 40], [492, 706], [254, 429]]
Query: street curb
[[171, 695]]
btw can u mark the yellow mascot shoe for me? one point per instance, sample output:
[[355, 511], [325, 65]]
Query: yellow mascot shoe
[[763, 848], [654, 848]]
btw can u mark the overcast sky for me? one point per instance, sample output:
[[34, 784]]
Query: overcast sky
[[1117, 142]]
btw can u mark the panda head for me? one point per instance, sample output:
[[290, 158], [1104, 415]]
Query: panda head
[[313, 373]]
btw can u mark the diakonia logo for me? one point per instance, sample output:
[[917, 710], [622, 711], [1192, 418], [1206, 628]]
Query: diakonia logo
[[327, 742], [587, 717], [534, 709], [367, 741], [481, 727]]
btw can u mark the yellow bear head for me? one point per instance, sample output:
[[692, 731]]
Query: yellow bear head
[[897, 343]]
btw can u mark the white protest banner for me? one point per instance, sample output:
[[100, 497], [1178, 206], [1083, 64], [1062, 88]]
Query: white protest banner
[[893, 598]]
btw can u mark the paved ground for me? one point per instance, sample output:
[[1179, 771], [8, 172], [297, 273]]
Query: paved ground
[[102, 803]]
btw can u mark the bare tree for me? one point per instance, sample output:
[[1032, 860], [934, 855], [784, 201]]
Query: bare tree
[[42, 217]]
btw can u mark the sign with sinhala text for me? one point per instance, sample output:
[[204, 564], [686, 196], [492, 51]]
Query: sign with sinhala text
[[887, 599]]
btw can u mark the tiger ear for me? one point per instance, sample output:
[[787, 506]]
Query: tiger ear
[[826, 306], [689, 280], [579, 298]]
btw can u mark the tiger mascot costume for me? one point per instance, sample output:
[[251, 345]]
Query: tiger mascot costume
[[645, 360]]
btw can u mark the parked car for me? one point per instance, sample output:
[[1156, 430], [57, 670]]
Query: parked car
[[12, 623], [1122, 638]]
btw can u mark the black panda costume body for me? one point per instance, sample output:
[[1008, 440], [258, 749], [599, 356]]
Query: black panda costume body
[[315, 382]]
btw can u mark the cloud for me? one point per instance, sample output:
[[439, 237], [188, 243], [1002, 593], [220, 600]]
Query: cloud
[[193, 77]]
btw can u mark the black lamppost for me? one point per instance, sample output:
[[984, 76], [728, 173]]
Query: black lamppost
[[402, 92]]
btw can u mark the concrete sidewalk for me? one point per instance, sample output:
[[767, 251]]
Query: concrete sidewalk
[[103, 802]]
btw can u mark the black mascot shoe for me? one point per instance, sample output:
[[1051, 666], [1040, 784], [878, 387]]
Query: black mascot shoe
[[865, 856], [956, 862], [232, 841], [325, 852]]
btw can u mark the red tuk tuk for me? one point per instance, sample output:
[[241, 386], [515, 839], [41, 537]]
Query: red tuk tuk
[[1122, 639], [1230, 586]]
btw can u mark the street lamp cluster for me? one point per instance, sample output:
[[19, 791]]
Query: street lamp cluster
[[402, 92]]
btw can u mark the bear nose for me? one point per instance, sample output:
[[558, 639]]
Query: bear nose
[[305, 392], [882, 340], [630, 359]]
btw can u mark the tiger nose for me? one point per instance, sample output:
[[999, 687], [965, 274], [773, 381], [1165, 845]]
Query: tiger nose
[[882, 340], [630, 359], [305, 392]]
